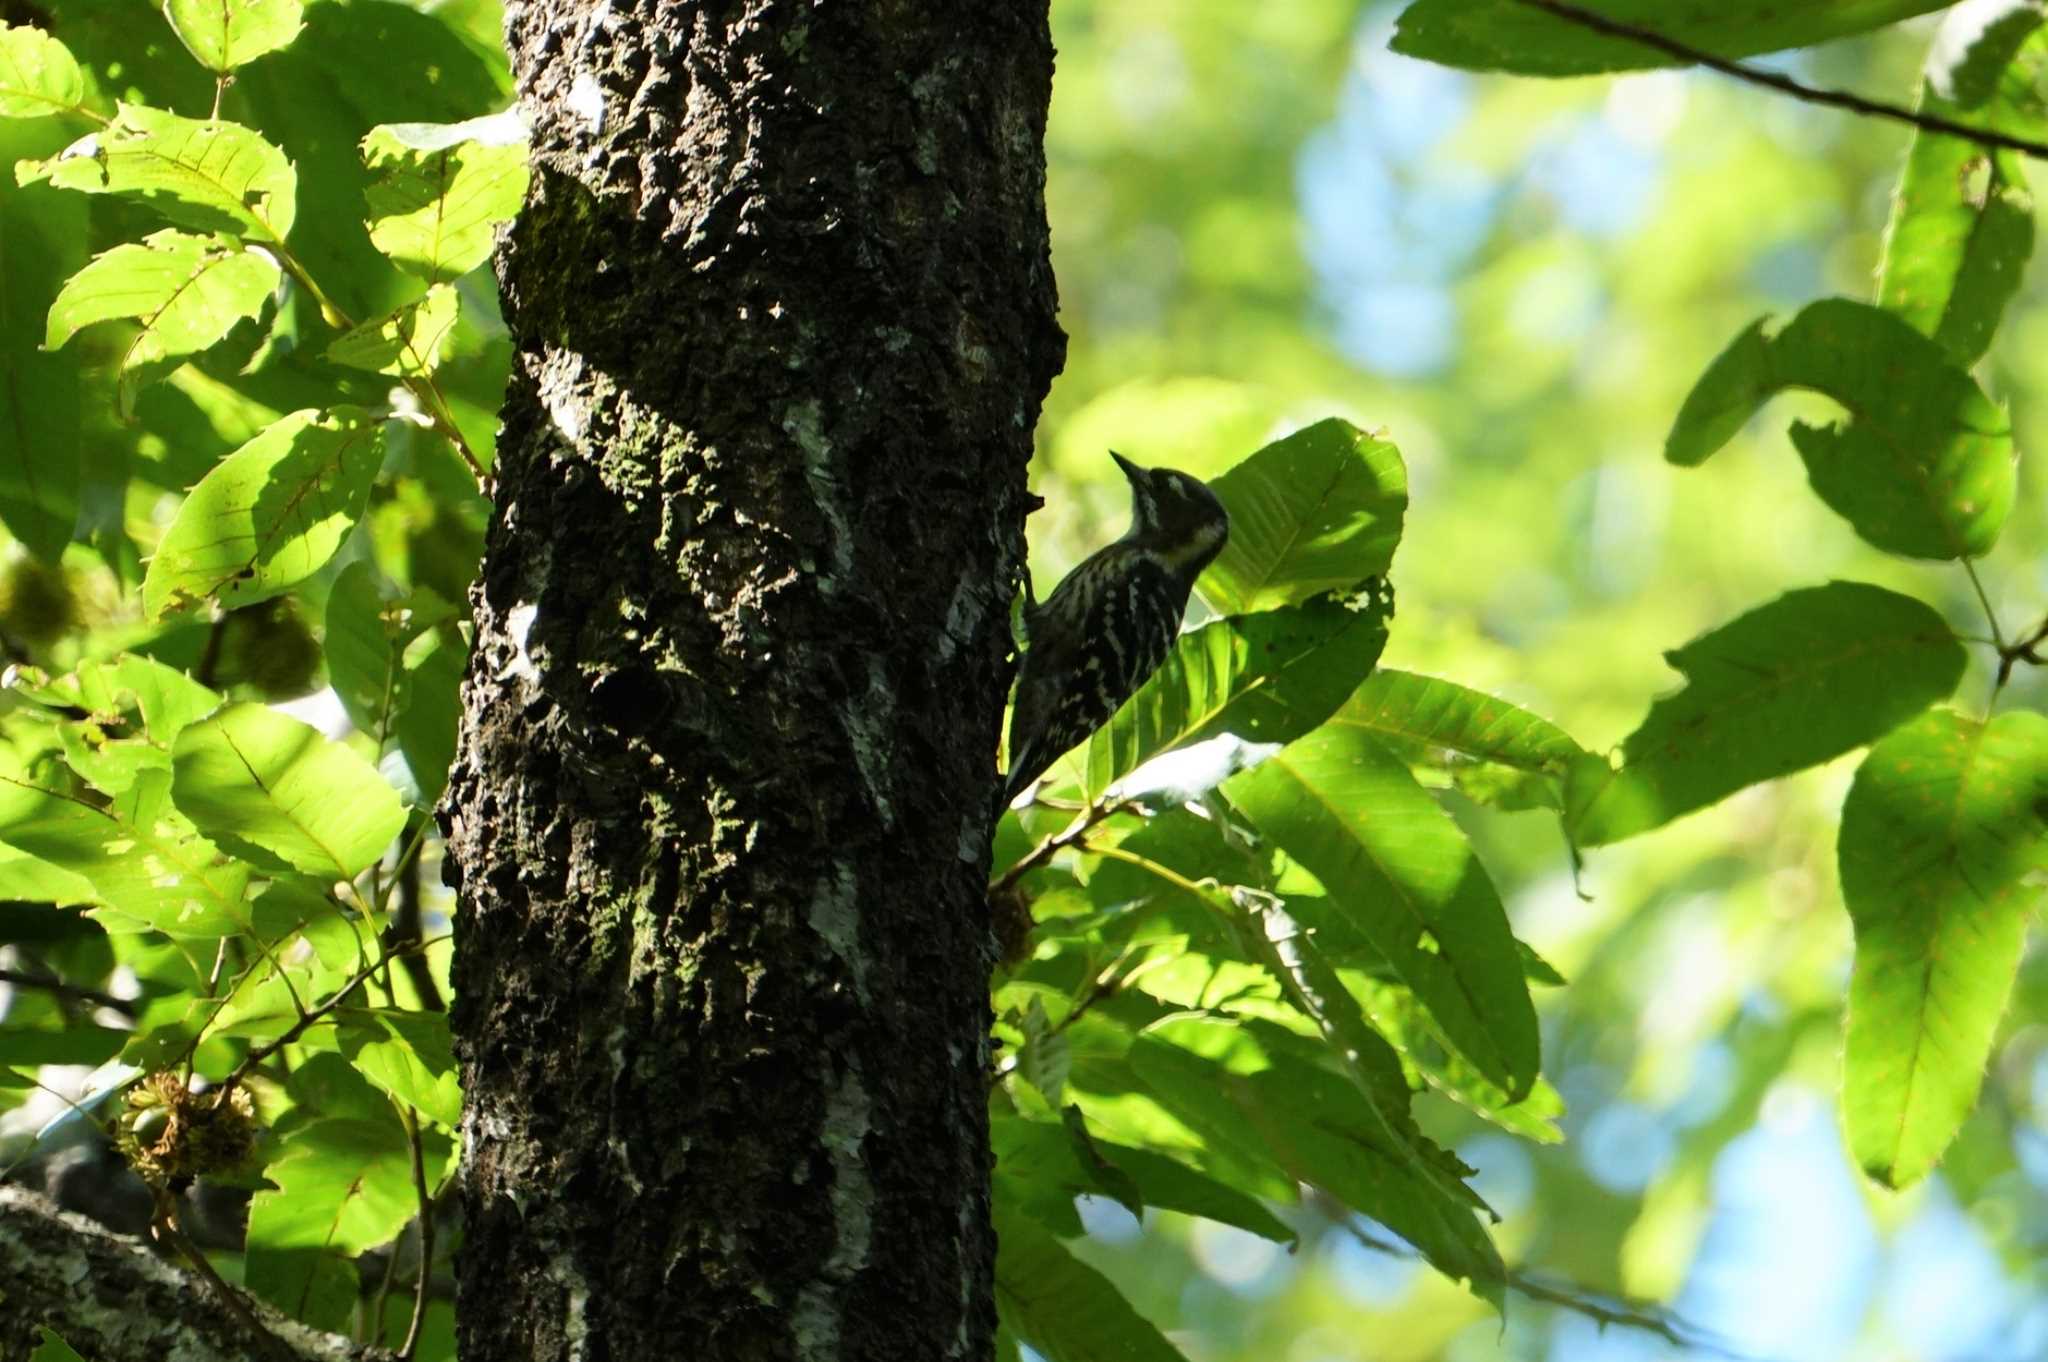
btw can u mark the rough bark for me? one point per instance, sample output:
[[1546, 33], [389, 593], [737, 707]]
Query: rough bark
[[784, 316], [113, 1299]]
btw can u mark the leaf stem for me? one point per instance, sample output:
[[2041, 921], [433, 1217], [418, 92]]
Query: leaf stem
[[1073, 834], [1811, 94]]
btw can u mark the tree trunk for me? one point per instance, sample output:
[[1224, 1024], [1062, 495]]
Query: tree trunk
[[784, 315]]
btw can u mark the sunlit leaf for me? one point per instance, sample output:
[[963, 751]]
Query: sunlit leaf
[[1266, 677], [1943, 824], [1512, 35], [1811, 675], [1491, 750], [1316, 512], [1403, 875], [1962, 223], [276, 790], [223, 34], [1238, 1082], [45, 239], [185, 291], [38, 75], [1923, 463], [211, 175], [143, 859], [268, 515], [407, 342], [438, 191], [405, 1054]]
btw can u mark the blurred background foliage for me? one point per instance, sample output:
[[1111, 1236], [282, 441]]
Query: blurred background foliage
[[1262, 216]]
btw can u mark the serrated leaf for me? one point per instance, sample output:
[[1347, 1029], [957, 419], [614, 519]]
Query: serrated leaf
[[1401, 873], [1241, 1083], [1491, 750], [1043, 1059], [1941, 828], [1922, 466], [270, 514], [1791, 684], [1316, 512], [277, 791], [186, 292], [208, 174], [343, 1185], [1065, 1310], [1266, 677], [1510, 35], [135, 708], [407, 342], [38, 75], [1962, 222], [438, 191], [224, 34], [405, 1054], [143, 859]]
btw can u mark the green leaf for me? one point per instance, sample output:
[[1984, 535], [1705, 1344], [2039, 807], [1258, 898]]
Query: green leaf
[[438, 191], [38, 76], [211, 175], [1962, 222], [135, 708], [405, 1054], [1064, 1309], [1511, 35], [223, 34], [343, 1184], [143, 859], [277, 791], [1487, 748], [1791, 684], [76, 1043], [1400, 873], [1943, 825], [364, 640], [1316, 512], [1043, 1058], [53, 1348], [270, 514], [1040, 1155], [1924, 464], [426, 727], [1976, 46], [1267, 677], [1242, 1083], [405, 343], [186, 291]]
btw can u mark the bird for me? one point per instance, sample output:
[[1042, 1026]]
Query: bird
[[1111, 621]]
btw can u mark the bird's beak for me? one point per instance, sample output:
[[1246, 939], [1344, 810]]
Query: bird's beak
[[1131, 470]]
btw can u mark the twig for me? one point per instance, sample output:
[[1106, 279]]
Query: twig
[[165, 1223], [1812, 94], [1601, 1308], [308, 1018], [1059, 842], [426, 1222], [52, 984]]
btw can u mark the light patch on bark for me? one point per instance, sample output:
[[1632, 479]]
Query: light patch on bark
[[804, 422], [562, 1272], [816, 1319], [835, 917], [519, 624], [586, 101], [867, 719]]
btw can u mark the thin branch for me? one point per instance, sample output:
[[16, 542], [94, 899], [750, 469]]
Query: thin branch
[[1603, 1309], [164, 1224], [307, 1019], [1059, 842], [52, 984], [1811, 94], [426, 1222]]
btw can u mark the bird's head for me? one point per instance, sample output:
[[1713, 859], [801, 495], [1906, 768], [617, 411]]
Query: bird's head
[[1175, 516]]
